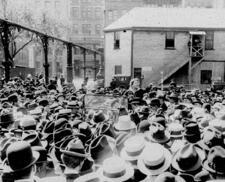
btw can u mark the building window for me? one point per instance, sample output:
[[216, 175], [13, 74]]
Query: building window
[[118, 69], [89, 12], [209, 39], [116, 40], [170, 40], [84, 13], [110, 15], [86, 29], [98, 29], [97, 12], [115, 15], [74, 12], [206, 76], [75, 29]]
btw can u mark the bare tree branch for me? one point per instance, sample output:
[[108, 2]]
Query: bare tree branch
[[17, 51]]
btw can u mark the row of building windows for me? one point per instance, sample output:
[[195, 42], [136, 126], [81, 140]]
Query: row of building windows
[[87, 29], [75, 2], [115, 14], [86, 13], [170, 40], [205, 75]]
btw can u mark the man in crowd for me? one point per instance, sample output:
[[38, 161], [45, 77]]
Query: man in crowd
[[49, 134]]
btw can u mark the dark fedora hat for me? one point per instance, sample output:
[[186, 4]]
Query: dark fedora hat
[[61, 123], [99, 117], [61, 145], [6, 117], [101, 148], [155, 103], [33, 139], [159, 120], [143, 126], [20, 156], [158, 134], [188, 158], [73, 155], [60, 134], [43, 102], [211, 137], [43, 154], [192, 132], [47, 131], [85, 129], [13, 98], [215, 161], [4, 144]]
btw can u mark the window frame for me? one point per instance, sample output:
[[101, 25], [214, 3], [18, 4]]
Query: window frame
[[169, 39], [86, 29], [116, 43], [118, 70], [205, 72], [211, 40]]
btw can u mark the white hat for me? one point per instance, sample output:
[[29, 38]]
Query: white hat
[[115, 169], [27, 121], [133, 148], [218, 124], [175, 130], [154, 160], [124, 123]]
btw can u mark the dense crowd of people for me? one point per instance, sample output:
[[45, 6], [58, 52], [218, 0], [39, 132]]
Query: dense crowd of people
[[171, 135]]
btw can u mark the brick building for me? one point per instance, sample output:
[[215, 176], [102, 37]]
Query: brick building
[[187, 45], [87, 19]]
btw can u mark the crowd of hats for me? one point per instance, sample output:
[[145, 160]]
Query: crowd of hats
[[174, 135]]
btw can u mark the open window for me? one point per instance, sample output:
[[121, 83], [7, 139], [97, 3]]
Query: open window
[[209, 39], [206, 76], [170, 40], [116, 40], [118, 69]]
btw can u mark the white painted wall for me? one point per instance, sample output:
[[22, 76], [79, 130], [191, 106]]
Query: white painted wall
[[120, 56]]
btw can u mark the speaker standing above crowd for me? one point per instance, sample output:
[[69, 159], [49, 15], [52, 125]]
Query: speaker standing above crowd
[[48, 134]]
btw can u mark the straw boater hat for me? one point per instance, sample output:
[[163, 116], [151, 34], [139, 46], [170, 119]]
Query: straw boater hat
[[115, 169], [176, 130], [124, 124], [133, 148], [154, 159]]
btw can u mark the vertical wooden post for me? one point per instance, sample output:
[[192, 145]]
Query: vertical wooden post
[[44, 40], [69, 63], [84, 55], [95, 62], [189, 71], [5, 42]]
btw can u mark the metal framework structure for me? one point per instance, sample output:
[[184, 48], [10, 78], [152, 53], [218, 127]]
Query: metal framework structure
[[5, 26]]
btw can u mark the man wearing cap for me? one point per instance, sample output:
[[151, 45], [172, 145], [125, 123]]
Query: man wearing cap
[[20, 163]]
